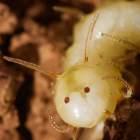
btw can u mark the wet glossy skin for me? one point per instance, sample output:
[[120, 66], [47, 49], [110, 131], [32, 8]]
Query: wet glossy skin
[[81, 110]]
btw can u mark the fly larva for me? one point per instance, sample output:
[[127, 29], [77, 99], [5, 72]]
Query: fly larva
[[87, 93]]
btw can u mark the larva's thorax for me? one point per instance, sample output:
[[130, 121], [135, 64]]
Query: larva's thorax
[[120, 19], [80, 91]]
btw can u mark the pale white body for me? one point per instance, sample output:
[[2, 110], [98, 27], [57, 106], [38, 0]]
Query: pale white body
[[88, 111], [85, 109], [120, 19]]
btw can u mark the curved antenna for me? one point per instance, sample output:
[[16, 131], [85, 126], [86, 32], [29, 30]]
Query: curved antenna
[[128, 73], [78, 14], [122, 42], [129, 90], [128, 57], [31, 65], [89, 36], [55, 126]]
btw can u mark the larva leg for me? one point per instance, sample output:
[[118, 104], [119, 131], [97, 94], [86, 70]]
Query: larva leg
[[55, 126], [89, 36], [129, 45], [74, 133], [128, 74], [78, 14], [31, 65], [129, 90], [112, 116], [128, 57]]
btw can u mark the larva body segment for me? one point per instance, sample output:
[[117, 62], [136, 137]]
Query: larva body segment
[[120, 19]]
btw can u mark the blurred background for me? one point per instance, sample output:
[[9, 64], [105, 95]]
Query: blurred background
[[32, 31]]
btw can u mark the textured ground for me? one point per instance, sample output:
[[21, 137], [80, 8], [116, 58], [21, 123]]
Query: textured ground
[[31, 30]]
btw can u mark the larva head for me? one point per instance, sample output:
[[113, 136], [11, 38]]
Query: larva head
[[81, 96]]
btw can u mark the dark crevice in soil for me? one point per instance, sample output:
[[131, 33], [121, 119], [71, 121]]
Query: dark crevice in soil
[[22, 104]]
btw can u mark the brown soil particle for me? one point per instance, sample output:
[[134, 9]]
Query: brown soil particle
[[9, 120], [8, 20], [127, 124]]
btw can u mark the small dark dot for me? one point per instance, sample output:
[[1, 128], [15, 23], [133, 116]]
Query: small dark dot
[[87, 89], [67, 99], [1, 120]]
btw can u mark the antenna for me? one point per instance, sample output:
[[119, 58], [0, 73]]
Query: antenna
[[30, 65], [89, 36]]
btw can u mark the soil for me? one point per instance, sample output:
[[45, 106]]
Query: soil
[[32, 31]]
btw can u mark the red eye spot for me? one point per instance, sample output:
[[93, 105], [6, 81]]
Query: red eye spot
[[87, 89], [67, 99]]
